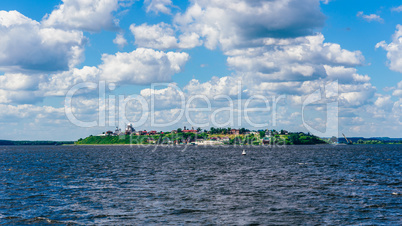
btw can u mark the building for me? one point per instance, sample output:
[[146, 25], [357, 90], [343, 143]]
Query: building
[[235, 131], [225, 139], [129, 129], [117, 132], [192, 130], [141, 133], [266, 140], [208, 142]]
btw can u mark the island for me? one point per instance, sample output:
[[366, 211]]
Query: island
[[214, 136]]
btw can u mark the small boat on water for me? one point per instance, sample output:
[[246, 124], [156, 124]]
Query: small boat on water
[[244, 152]]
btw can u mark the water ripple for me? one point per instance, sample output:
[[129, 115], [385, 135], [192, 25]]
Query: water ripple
[[306, 185]]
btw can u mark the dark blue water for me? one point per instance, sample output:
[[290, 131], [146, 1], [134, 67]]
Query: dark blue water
[[201, 185]]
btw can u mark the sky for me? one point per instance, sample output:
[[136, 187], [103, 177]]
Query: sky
[[74, 68]]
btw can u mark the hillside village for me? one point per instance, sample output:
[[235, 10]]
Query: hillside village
[[214, 136]]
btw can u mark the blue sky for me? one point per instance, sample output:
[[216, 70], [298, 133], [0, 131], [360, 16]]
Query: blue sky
[[238, 49]]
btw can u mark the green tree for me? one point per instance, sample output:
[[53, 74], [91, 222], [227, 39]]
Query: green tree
[[212, 130], [242, 131], [294, 138]]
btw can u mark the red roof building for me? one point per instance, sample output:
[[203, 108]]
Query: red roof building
[[235, 131], [190, 131]]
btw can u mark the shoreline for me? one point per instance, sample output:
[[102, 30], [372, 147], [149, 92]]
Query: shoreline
[[216, 145]]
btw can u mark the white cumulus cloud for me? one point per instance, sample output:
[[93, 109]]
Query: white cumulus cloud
[[157, 6], [397, 9], [298, 59], [356, 95], [394, 50], [25, 45], [162, 36], [158, 36], [398, 91], [345, 75], [142, 66], [384, 102], [216, 86], [18, 97], [58, 84], [240, 22], [120, 40], [88, 15], [371, 17], [18, 81], [166, 98]]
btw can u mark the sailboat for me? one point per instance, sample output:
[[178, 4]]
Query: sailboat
[[244, 152]]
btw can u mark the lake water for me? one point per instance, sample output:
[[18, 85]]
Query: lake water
[[358, 184]]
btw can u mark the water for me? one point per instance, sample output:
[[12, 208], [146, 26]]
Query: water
[[304, 185]]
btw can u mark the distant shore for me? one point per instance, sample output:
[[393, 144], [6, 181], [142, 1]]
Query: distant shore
[[40, 142], [190, 145]]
